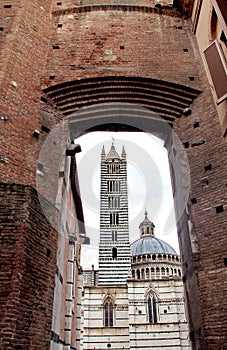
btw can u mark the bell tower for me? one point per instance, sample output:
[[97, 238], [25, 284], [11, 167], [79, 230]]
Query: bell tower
[[114, 246]]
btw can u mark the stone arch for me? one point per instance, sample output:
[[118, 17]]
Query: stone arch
[[108, 297], [158, 272], [151, 290], [147, 273], [142, 273]]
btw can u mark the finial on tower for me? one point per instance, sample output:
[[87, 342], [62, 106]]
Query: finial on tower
[[123, 154], [145, 213], [103, 153], [103, 150]]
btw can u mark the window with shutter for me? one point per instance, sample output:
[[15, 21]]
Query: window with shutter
[[216, 63], [222, 6]]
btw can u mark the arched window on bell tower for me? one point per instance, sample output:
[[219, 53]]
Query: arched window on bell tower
[[152, 309], [114, 253]]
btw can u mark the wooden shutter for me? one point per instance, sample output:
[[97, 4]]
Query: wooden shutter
[[222, 4], [216, 63], [220, 7]]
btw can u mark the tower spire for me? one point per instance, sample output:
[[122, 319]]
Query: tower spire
[[112, 153]]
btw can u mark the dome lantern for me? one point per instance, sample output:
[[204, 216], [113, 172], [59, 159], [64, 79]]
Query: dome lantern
[[148, 243], [146, 227]]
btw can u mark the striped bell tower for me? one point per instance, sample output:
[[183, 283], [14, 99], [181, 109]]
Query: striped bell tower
[[114, 246]]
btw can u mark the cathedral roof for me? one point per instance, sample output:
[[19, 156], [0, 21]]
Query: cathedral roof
[[151, 245], [112, 153]]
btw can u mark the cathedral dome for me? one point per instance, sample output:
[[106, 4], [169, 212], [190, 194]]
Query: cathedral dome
[[148, 243], [151, 245]]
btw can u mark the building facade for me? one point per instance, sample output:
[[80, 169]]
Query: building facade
[[144, 309]]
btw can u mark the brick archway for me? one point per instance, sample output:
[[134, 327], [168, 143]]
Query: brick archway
[[75, 56], [115, 103], [165, 98]]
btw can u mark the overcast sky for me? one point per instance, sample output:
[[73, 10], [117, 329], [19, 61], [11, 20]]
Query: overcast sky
[[149, 186]]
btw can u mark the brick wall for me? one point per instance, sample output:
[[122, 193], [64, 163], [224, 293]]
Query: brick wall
[[23, 45], [144, 44], [206, 239], [28, 263]]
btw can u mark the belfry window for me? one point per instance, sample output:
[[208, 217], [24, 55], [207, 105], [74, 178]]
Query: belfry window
[[108, 313], [114, 219], [113, 186], [114, 253], [114, 202], [113, 168], [114, 236], [152, 309]]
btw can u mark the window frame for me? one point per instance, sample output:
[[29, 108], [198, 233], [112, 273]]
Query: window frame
[[108, 313], [152, 309]]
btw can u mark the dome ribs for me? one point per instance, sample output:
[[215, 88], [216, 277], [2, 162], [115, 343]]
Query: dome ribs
[[151, 245]]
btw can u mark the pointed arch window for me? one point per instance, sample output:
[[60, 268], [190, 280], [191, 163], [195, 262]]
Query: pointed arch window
[[152, 309], [108, 313]]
